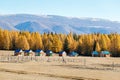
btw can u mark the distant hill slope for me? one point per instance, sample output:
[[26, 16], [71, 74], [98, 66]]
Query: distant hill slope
[[58, 24]]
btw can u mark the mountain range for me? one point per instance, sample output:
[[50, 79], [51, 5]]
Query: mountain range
[[58, 24]]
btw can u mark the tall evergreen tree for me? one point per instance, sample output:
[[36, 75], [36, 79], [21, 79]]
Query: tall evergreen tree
[[65, 46]]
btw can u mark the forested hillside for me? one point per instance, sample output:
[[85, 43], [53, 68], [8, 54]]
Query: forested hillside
[[84, 44]]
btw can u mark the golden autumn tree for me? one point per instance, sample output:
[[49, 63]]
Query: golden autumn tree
[[56, 43], [13, 38], [118, 45], [62, 38], [1, 38], [45, 41], [50, 41], [72, 44], [103, 43], [22, 43], [5, 40], [98, 47], [108, 41], [37, 40], [31, 42], [79, 46], [26, 34], [115, 45], [88, 43]]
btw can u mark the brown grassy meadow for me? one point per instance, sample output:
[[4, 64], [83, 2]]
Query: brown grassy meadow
[[78, 68]]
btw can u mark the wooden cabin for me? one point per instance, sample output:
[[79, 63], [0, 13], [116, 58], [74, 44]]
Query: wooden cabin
[[105, 54], [49, 53], [29, 53], [18, 52], [62, 53], [73, 54], [95, 54], [40, 53]]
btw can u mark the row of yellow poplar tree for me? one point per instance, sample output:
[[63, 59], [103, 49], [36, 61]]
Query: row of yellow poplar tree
[[83, 44]]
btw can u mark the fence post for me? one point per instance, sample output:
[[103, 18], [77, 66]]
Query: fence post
[[63, 59], [31, 58], [113, 65], [48, 60], [85, 62], [8, 58]]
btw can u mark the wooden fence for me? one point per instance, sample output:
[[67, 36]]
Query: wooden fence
[[80, 62], [37, 58]]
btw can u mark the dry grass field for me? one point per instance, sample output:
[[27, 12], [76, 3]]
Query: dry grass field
[[6, 53], [78, 68]]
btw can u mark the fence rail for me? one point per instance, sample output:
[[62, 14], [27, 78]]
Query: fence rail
[[81, 63], [37, 58]]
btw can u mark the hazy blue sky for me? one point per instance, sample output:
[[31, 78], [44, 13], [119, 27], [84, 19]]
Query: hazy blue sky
[[107, 9]]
